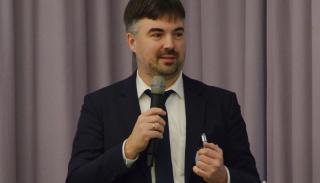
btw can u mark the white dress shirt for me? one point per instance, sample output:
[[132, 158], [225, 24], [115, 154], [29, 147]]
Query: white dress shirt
[[175, 106], [177, 124]]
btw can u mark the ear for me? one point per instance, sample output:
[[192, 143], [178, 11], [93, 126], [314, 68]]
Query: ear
[[131, 41]]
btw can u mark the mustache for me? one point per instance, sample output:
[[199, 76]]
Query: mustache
[[168, 52]]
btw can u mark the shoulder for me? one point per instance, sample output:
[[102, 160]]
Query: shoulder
[[205, 89], [114, 90]]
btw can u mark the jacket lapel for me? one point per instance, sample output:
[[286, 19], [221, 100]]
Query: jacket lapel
[[195, 110], [129, 106], [129, 103]]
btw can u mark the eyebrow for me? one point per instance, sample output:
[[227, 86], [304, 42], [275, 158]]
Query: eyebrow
[[161, 30], [179, 29]]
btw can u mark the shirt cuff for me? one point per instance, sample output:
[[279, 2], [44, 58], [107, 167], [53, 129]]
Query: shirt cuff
[[228, 175], [127, 161]]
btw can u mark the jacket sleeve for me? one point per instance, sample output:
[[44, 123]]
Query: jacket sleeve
[[90, 160], [238, 157]]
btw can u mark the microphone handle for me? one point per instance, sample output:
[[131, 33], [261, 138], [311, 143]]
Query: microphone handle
[[156, 101]]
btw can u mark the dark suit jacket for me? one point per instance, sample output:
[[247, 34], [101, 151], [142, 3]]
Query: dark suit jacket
[[108, 117]]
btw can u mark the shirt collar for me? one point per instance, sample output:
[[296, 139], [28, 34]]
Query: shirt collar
[[177, 86]]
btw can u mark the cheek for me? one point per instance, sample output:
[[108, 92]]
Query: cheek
[[150, 51], [181, 46]]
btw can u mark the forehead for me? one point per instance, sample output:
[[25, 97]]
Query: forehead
[[164, 23]]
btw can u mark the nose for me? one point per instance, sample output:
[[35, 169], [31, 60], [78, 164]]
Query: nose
[[168, 42]]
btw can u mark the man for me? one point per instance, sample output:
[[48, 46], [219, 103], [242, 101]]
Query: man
[[117, 125]]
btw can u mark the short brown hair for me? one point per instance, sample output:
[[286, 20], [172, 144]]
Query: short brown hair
[[152, 9]]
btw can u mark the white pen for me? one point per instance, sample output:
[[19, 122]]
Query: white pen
[[203, 137]]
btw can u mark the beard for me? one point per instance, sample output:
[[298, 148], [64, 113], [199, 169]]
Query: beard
[[167, 70]]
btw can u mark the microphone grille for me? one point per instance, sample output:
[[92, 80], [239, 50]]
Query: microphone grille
[[157, 85]]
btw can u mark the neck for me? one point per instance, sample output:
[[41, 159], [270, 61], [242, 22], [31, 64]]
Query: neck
[[169, 80]]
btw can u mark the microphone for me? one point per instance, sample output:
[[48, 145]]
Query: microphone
[[157, 91]]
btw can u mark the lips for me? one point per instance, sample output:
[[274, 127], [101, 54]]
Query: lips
[[168, 59]]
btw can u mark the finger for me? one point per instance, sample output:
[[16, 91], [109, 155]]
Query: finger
[[154, 111], [150, 121], [212, 146], [156, 118], [155, 134], [207, 160], [157, 127], [210, 162], [200, 172], [203, 165], [210, 153]]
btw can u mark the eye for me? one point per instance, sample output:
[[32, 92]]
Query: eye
[[179, 35], [156, 35]]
